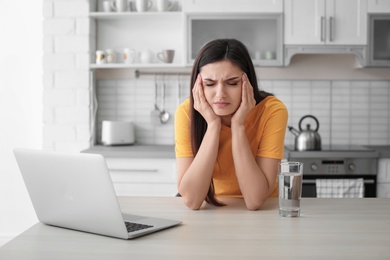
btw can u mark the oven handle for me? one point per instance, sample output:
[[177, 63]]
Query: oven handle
[[314, 181]]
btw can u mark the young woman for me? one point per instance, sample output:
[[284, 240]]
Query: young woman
[[229, 135]]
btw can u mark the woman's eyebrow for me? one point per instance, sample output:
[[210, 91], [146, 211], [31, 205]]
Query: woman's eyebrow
[[232, 78]]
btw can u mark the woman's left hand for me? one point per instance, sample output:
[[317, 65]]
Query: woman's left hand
[[248, 101]]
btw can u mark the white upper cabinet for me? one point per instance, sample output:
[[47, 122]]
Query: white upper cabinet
[[325, 22], [379, 6], [262, 6]]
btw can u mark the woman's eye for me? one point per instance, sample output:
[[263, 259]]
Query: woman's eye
[[209, 84], [233, 83]]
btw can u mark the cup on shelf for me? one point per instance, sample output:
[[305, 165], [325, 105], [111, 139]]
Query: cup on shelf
[[164, 5], [146, 56], [129, 55], [143, 5], [107, 6], [119, 5], [110, 56], [166, 56], [269, 55], [100, 57]]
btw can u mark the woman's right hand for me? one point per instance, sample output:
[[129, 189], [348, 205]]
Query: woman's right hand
[[200, 103]]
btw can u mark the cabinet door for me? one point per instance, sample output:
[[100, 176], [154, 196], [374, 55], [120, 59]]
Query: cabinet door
[[304, 22], [263, 6], [143, 177], [346, 22]]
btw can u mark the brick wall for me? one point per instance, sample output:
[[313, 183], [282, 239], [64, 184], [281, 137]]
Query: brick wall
[[67, 88]]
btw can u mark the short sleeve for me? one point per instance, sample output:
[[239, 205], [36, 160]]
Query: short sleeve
[[272, 140], [182, 130]]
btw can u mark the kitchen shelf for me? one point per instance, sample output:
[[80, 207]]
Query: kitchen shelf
[[136, 66], [130, 15]]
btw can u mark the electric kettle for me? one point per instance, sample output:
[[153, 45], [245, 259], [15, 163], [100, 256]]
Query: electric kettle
[[307, 139]]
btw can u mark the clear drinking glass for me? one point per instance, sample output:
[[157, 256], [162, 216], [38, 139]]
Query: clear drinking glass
[[290, 188]]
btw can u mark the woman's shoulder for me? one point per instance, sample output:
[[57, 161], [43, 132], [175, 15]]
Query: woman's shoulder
[[272, 103], [184, 107]]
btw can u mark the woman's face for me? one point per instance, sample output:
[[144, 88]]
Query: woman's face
[[222, 82]]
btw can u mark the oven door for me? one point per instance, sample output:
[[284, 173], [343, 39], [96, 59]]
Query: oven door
[[309, 184]]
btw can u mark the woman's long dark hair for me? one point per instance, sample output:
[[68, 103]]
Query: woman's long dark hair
[[215, 51]]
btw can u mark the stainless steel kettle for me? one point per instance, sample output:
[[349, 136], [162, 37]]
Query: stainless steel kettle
[[308, 139]]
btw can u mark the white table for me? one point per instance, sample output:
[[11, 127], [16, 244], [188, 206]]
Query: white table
[[327, 229]]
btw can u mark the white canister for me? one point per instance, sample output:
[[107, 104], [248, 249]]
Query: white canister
[[110, 56], [100, 57]]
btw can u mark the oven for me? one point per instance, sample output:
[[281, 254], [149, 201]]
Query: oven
[[337, 163]]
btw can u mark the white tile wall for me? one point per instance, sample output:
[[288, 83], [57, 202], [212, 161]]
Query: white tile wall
[[133, 100], [349, 112]]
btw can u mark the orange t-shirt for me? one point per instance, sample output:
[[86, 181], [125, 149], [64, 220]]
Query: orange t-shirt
[[265, 128]]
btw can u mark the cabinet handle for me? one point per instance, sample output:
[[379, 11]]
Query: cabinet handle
[[322, 29], [331, 28]]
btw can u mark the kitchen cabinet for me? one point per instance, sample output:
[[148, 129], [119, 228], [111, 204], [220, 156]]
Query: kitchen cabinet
[[383, 178], [379, 40], [378, 6], [263, 6], [325, 22], [257, 23], [261, 33], [143, 176]]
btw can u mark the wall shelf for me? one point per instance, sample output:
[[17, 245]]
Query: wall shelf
[[130, 15], [137, 66]]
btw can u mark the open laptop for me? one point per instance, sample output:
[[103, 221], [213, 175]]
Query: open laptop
[[75, 191]]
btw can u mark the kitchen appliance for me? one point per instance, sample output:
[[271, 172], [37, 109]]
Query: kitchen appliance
[[117, 133], [336, 162], [308, 139]]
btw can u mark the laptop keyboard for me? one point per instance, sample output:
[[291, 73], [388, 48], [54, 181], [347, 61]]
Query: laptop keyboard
[[131, 226]]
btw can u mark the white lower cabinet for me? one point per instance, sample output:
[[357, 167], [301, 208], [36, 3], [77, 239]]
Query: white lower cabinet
[[383, 178], [143, 177]]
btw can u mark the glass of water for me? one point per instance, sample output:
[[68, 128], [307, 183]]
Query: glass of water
[[290, 188]]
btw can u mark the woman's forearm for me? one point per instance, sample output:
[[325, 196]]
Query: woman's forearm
[[252, 180], [195, 183]]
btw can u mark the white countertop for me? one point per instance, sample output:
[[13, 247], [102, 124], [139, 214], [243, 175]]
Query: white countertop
[[134, 151], [328, 229]]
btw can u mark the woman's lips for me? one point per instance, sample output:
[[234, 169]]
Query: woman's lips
[[221, 104]]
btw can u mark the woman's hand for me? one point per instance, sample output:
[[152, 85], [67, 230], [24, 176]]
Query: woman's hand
[[248, 102], [200, 103]]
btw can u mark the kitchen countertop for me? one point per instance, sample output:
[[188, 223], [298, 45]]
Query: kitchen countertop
[[168, 151], [327, 229], [383, 150], [134, 151]]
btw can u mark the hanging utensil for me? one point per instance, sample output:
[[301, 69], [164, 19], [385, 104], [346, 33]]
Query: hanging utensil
[[155, 114], [164, 116]]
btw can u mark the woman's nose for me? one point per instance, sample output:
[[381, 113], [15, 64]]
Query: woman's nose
[[220, 91]]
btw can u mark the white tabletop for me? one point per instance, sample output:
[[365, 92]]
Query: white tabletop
[[327, 229]]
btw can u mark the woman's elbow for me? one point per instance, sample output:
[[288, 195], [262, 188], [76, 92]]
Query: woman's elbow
[[192, 204], [254, 205]]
